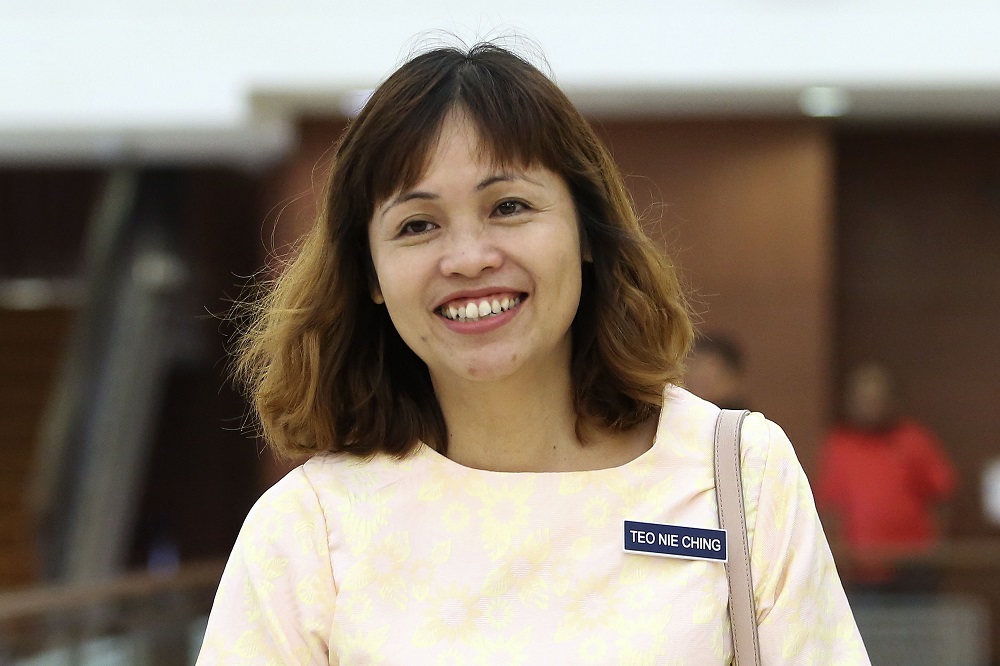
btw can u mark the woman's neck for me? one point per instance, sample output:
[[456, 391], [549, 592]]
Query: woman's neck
[[529, 424], [523, 423]]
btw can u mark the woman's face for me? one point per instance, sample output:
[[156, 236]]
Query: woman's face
[[480, 269]]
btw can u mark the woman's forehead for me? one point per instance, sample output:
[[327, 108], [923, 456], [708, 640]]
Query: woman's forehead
[[414, 164]]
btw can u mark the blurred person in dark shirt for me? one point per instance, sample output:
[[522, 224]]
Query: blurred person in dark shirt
[[883, 481], [715, 372]]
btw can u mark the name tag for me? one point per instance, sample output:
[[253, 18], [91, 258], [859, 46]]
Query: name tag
[[689, 543]]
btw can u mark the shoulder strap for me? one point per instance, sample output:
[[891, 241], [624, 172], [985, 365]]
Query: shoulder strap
[[732, 517]]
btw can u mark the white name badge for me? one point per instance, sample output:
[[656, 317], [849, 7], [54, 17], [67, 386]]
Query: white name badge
[[689, 543]]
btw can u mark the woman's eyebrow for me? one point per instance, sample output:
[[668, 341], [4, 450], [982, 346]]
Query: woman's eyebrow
[[409, 196], [505, 178]]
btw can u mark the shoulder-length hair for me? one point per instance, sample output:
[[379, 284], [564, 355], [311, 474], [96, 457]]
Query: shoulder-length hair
[[322, 362]]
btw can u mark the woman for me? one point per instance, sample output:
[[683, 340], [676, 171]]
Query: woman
[[480, 349]]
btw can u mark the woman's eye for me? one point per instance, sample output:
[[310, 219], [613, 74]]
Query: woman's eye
[[416, 227], [506, 208]]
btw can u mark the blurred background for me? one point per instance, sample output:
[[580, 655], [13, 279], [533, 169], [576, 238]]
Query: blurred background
[[826, 174]]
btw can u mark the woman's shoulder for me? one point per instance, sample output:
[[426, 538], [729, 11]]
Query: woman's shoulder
[[326, 479], [691, 418], [686, 419]]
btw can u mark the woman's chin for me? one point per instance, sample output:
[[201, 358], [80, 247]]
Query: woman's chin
[[487, 373], [510, 361], [477, 370]]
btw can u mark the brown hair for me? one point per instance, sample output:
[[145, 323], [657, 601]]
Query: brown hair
[[323, 364]]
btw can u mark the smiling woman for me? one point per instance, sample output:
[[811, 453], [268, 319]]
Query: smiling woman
[[483, 238], [324, 361], [480, 351]]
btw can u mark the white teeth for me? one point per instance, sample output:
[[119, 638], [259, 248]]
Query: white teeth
[[474, 311]]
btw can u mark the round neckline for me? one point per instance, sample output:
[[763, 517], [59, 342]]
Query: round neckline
[[438, 458]]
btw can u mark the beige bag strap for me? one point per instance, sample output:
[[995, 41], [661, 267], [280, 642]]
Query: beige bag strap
[[732, 517]]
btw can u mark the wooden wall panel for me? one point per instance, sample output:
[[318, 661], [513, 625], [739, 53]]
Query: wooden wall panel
[[919, 240], [919, 266], [31, 344], [44, 218], [745, 209], [201, 475]]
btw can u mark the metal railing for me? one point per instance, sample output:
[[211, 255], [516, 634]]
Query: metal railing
[[139, 619], [943, 624]]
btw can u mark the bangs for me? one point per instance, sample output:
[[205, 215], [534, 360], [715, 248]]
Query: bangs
[[512, 105]]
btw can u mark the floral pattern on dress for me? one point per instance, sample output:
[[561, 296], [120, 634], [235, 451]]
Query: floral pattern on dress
[[423, 561]]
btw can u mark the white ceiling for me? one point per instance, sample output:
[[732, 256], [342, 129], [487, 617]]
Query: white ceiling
[[188, 80]]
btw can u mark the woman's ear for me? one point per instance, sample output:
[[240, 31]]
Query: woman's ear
[[374, 289], [585, 252]]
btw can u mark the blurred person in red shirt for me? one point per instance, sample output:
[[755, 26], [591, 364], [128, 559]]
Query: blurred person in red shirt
[[883, 482]]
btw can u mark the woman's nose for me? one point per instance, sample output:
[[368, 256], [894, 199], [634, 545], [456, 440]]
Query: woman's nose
[[470, 253]]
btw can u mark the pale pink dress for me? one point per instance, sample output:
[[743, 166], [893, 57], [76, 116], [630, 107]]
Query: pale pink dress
[[423, 561]]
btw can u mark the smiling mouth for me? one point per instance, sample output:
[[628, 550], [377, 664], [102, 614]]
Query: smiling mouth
[[483, 308]]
